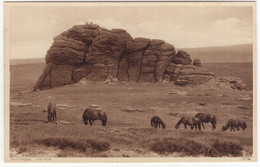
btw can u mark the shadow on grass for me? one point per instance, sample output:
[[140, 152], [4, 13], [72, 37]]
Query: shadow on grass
[[192, 148]]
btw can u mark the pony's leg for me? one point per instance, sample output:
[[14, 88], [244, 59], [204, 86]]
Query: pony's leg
[[213, 125], [199, 127], [55, 116], [185, 126], [90, 122], [159, 125], [86, 122], [203, 125], [233, 129]]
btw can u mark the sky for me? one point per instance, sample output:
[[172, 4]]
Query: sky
[[32, 28]]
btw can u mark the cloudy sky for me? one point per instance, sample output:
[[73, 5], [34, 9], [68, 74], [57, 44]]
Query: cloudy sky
[[33, 27]]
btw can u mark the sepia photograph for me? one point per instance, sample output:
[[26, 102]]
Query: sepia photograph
[[130, 82]]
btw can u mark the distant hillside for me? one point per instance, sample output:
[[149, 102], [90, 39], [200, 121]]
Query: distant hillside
[[26, 61], [243, 70], [234, 53]]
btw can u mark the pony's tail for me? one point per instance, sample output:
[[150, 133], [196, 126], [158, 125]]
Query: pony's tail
[[84, 117], [178, 123]]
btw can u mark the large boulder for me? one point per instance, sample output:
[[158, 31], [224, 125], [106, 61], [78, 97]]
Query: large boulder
[[187, 74], [70, 47], [61, 75], [182, 57], [135, 52], [90, 52], [81, 72], [99, 72], [66, 51], [44, 79], [196, 62], [233, 82]]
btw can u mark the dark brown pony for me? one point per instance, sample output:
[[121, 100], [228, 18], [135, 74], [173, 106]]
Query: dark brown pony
[[157, 122], [234, 124], [92, 114], [51, 109], [206, 118], [187, 121]]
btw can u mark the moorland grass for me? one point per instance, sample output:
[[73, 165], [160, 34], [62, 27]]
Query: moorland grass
[[81, 145], [193, 148]]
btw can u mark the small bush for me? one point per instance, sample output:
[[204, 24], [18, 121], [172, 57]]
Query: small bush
[[22, 150], [178, 145], [99, 146], [228, 148], [81, 145], [192, 148]]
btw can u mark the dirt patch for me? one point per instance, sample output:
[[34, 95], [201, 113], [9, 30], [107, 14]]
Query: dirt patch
[[132, 110], [19, 104]]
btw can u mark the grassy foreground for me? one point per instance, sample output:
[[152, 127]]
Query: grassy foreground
[[129, 107]]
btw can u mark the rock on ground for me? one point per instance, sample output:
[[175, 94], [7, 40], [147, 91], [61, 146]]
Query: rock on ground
[[96, 54]]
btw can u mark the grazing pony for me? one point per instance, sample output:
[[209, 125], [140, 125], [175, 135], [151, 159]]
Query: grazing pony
[[206, 118], [234, 124], [157, 122], [92, 114], [51, 109], [192, 122]]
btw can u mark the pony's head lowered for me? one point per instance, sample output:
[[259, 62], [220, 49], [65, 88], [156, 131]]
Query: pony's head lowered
[[243, 125], [225, 127], [103, 119], [163, 125]]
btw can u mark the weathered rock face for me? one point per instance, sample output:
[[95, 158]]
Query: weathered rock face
[[187, 74], [233, 82], [182, 57], [97, 54], [196, 62]]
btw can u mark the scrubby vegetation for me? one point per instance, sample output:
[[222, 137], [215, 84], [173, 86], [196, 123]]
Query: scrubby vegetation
[[193, 148], [81, 145], [129, 107]]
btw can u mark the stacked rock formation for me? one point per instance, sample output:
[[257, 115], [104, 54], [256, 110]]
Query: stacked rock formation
[[97, 54]]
